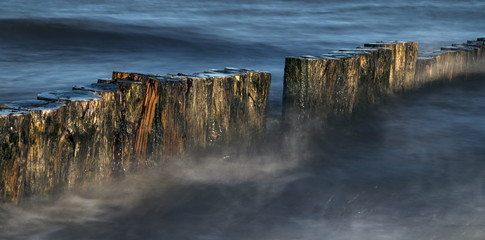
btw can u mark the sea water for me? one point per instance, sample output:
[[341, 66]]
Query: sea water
[[412, 168], [56, 44]]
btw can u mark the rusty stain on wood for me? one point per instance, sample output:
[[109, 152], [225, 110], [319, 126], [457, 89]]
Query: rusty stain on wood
[[144, 125], [121, 125], [118, 126]]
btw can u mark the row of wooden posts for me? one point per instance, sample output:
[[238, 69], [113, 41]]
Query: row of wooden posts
[[341, 82], [69, 139]]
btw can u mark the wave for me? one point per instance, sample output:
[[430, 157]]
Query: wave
[[109, 36]]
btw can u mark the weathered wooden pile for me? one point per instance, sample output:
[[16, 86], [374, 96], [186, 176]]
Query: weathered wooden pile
[[336, 84], [66, 139]]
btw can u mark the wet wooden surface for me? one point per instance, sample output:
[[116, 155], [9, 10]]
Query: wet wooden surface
[[334, 85], [69, 139]]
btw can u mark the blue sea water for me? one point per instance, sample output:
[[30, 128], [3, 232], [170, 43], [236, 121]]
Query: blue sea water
[[56, 44], [410, 169]]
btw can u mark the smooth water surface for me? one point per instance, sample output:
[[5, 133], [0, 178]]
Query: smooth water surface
[[55, 44]]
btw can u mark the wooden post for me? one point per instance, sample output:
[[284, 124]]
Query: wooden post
[[67, 139]]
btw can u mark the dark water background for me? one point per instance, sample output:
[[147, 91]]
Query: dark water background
[[412, 168], [55, 44]]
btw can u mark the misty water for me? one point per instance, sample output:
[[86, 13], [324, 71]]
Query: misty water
[[411, 168]]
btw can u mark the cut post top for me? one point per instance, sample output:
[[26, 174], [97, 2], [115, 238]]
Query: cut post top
[[74, 95]]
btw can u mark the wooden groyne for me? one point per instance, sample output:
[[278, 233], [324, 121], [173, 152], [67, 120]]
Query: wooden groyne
[[67, 139], [333, 85]]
